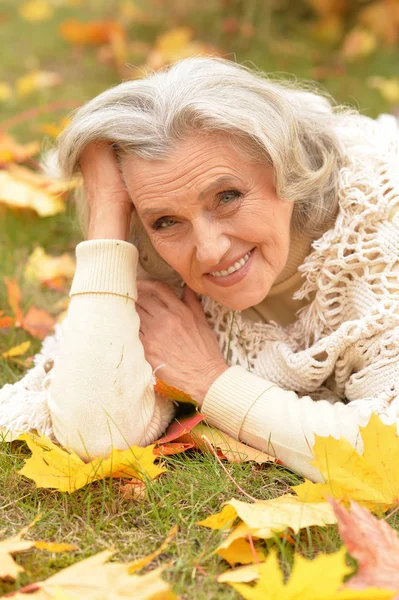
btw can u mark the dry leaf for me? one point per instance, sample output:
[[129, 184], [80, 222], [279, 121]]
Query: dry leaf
[[91, 33], [140, 563], [262, 520], [9, 569], [383, 19], [226, 447], [38, 322], [5, 322], [318, 579], [97, 579], [175, 45], [388, 88], [14, 299], [359, 43], [372, 479], [11, 151], [5, 91], [373, 543], [163, 388], [136, 491], [36, 10], [44, 267], [17, 350], [60, 468], [17, 190], [37, 80]]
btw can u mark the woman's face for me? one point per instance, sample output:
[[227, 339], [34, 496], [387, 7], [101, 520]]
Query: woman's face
[[213, 215]]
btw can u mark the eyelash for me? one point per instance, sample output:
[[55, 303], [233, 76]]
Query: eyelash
[[157, 225]]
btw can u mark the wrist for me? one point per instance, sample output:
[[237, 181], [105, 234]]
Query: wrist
[[207, 380], [110, 221]]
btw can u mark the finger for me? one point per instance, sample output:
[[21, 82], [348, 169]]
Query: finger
[[189, 297], [162, 291]]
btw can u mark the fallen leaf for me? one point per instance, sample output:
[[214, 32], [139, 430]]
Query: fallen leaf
[[36, 10], [6, 322], [9, 569], [36, 80], [140, 563], [12, 151], [317, 579], [358, 43], [17, 350], [164, 389], [20, 193], [371, 479], [180, 427], [175, 45], [227, 447], [373, 543], [50, 466], [134, 491], [90, 33], [382, 18], [14, 299], [388, 88], [263, 519], [44, 267], [96, 579], [5, 91], [38, 322]]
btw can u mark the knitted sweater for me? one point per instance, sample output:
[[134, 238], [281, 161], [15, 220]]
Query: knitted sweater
[[324, 373]]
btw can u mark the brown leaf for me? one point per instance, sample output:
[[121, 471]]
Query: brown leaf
[[14, 299], [373, 543]]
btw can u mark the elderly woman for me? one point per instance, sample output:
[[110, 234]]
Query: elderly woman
[[243, 242]]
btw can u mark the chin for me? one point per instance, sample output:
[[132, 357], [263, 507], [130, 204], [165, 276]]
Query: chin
[[242, 301]]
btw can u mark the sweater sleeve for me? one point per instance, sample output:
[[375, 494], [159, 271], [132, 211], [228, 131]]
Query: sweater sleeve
[[279, 422], [101, 392]]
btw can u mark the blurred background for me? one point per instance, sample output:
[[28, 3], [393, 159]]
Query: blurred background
[[57, 54]]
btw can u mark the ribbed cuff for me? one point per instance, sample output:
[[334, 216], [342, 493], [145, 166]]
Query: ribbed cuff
[[231, 397], [106, 266]]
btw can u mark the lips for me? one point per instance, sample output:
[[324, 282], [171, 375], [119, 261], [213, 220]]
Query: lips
[[230, 267]]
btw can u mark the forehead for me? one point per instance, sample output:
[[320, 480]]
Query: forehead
[[190, 167]]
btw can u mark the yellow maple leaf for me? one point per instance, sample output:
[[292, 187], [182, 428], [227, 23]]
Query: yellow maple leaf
[[36, 10], [36, 80], [371, 479], [9, 569], [261, 520], [317, 579], [62, 469], [42, 266], [95, 578], [21, 189]]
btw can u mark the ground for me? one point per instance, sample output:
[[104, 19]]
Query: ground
[[194, 486]]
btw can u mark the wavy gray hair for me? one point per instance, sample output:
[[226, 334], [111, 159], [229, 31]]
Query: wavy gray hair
[[277, 123]]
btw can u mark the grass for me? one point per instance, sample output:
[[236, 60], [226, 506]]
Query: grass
[[194, 486]]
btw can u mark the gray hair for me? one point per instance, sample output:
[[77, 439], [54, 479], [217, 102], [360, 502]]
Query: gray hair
[[275, 122]]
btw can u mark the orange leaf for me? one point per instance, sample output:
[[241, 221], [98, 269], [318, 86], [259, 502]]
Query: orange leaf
[[93, 33], [11, 151], [163, 388], [14, 299], [172, 448], [38, 322], [6, 322]]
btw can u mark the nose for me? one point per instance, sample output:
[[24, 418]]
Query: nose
[[212, 244]]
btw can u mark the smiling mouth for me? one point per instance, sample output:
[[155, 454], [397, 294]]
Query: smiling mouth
[[237, 265]]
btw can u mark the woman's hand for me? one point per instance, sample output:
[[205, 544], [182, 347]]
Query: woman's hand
[[110, 204], [175, 333]]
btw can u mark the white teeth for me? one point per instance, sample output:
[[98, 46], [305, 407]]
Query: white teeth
[[237, 265]]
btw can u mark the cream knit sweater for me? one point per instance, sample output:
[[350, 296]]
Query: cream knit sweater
[[322, 374]]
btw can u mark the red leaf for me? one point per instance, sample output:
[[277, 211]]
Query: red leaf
[[172, 448], [181, 427], [38, 322], [373, 543]]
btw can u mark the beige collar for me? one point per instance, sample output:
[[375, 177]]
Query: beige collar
[[300, 248]]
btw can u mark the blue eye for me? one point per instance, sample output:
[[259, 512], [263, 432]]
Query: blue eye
[[163, 223], [228, 196]]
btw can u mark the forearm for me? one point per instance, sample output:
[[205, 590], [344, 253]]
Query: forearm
[[101, 393], [276, 421], [108, 223]]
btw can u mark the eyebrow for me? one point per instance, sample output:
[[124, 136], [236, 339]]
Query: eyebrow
[[223, 180]]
